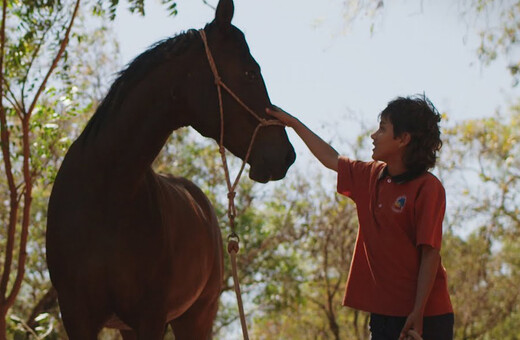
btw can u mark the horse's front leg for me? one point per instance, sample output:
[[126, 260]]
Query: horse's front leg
[[197, 322]]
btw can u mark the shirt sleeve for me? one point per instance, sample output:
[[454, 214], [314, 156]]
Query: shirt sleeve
[[353, 176], [429, 213]]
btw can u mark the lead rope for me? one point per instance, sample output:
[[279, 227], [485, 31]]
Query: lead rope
[[233, 239]]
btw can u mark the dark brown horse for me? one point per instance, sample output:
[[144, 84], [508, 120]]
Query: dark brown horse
[[127, 247]]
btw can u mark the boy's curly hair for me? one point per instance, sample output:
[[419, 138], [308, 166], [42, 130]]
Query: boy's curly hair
[[419, 117]]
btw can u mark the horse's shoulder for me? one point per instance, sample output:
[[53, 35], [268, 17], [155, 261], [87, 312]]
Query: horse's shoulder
[[185, 190], [177, 181], [183, 185]]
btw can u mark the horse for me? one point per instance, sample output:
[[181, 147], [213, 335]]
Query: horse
[[132, 249]]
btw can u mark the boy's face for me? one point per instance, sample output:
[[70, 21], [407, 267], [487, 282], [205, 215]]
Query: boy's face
[[387, 147]]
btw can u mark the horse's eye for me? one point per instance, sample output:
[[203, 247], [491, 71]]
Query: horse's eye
[[251, 75]]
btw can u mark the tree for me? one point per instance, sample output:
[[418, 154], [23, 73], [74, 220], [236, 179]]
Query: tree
[[89, 65], [482, 159], [302, 300], [22, 85], [503, 36], [40, 95], [499, 38]]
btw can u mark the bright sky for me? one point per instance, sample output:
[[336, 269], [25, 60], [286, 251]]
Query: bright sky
[[319, 69]]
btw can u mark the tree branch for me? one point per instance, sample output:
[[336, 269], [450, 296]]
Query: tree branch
[[31, 62], [13, 101], [22, 255], [63, 45], [208, 4], [6, 153], [26, 215], [47, 302]]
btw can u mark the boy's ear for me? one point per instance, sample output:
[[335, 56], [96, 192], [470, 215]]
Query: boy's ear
[[405, 138]]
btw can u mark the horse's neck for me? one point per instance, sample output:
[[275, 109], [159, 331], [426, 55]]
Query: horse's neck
[[126, 140]]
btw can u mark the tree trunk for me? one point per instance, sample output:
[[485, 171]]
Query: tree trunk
[[334, 328], [3, 323]]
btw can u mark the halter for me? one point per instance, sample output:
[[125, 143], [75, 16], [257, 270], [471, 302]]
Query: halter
[[233, 238]]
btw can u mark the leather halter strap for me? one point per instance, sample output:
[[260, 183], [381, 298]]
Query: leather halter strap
[[262, 123], [233, 238]]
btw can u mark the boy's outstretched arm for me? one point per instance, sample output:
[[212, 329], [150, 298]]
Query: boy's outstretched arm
[[319, 148]]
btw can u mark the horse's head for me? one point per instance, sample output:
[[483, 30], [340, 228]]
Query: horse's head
[[271, 154]]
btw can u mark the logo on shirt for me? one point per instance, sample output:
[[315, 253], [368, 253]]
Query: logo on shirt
[[399, 204]]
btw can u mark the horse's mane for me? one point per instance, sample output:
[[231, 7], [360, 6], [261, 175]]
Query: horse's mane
[[161, 51]]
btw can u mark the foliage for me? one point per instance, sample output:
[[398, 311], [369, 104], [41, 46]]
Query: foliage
[[481, 256], [499, 39], [46, 92], [486, 150], [502, 38], [324, 230], [103, 7], [33, 40]]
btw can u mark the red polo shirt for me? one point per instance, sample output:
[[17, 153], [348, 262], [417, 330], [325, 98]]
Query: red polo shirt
[[396, 215]]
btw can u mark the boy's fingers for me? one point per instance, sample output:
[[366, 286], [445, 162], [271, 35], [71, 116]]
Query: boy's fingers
[[404, 331], [279, 114], [414, 335], [274, 112]]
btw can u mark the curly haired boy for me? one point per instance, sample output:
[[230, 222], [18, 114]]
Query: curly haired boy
[[396, 273]]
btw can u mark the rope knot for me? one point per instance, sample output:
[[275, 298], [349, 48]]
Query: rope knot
[[231, 195]]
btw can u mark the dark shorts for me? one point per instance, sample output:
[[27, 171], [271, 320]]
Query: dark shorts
[[439, 327]]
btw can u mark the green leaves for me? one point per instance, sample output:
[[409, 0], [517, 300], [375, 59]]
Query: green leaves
[[502, 39], [109, 7], [171, 6], [482, 159], [40, 123]]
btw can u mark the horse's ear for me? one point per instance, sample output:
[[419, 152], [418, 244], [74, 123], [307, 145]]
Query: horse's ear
[[224, 13]]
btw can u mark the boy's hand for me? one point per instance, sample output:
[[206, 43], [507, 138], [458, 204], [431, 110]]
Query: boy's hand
[[413, 335], [412, 327], [319, 148], [281, 115]]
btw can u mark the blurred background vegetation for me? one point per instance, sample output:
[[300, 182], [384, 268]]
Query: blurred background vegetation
[[57, 58]]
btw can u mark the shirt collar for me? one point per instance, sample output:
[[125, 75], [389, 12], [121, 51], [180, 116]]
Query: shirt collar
[[401, 178]]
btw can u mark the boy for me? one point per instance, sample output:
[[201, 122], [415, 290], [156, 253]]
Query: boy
[[396, 273]]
